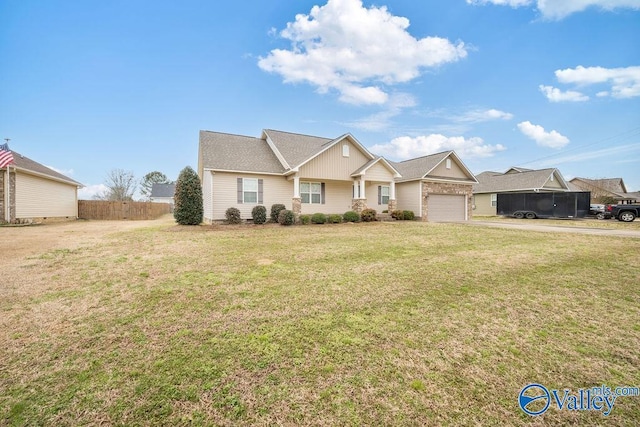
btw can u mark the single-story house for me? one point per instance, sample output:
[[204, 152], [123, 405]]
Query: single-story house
[[310, 174], [485, 191], [163, 193], [31, 191], [607, 188]]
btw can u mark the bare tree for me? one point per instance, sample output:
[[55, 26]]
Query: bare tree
[[120, 184]]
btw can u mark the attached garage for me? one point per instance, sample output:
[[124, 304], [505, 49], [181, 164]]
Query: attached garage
[[446, 207]]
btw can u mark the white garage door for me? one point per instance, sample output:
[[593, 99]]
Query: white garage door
[[446, 207]]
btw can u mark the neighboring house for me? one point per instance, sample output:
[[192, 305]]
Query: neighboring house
[[36, 192], [310, 174], [485, 192], [163, 193], [609, 188]]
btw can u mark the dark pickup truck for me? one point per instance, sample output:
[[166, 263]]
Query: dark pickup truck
[[626, 213]]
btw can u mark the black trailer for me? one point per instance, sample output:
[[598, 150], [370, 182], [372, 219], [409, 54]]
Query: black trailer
[[553, 204]]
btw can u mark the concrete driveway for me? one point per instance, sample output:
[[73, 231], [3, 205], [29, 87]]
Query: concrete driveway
[[531, 225]]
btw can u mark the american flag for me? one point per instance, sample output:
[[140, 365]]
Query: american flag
[[6, 156]]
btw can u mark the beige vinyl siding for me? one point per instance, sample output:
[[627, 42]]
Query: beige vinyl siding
[[331, 165], [337, 195], [276, 189], [378, 172], [555, 184], [207, 195], [372, 196], [38, 197], [456, 170], [482, 203], [408, 196]]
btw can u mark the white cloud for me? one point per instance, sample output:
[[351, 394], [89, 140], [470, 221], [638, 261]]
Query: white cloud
[[625, 82], [90, 191], [556, 95], [356, 51], [559, 9], [543, 138], [476, 116], [66, 172], [406, 147]]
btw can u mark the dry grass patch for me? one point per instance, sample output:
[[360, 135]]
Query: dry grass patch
[[368, 324]]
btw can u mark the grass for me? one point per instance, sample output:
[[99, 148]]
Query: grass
[[608, 224], [367, 324]]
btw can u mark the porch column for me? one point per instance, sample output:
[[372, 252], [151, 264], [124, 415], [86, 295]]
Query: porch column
[[296, 201], [359, 201], [392, 197], [362, 187]]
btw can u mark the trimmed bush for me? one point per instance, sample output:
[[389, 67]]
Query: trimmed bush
[[305, 219], [275, 211], [351, 216], [334, 219], [259, 214], [368, 215], [409, 215], [286, 217], [188, 198], [233, 216], [385, 211], [397, 214], [318, 218]]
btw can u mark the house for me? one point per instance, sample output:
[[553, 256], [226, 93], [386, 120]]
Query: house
[[31, 191], [162, 193], [310, 174], [605, 190], [485, 192]]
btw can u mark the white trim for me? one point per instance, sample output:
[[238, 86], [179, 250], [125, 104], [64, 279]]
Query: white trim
[[458, 161], [243, 172], [44, 175], [533, 190], [296, 186], [388, 165], [311, 193], [244, 191], [275, 150], [352, 139]]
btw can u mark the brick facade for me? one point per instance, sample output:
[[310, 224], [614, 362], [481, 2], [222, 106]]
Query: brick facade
[[12, 197], [358, 205]]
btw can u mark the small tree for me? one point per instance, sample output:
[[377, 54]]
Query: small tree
[[149, 179], [188, 198]]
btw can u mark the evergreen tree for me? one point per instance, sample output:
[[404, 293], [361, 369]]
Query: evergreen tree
[[188, 198]]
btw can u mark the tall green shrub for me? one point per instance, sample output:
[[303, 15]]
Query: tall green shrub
[[259, 214], [188, 198], [351, 216]]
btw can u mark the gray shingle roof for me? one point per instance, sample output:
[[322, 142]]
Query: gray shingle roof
[[163, 190], [223, 151], [26, 163], [296, 148], [490, 182], [417, 168]]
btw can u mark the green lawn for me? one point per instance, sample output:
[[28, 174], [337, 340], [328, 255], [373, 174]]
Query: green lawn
[[352, 324]]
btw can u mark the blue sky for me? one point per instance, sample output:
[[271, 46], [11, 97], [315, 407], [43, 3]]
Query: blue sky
[[90, 86]]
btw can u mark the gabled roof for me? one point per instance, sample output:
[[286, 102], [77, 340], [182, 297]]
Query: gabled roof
[[372, 162], [421, 167], [24, 163], [295, 148], [613, 185], [512, 180], [228, 152], [163, 190]]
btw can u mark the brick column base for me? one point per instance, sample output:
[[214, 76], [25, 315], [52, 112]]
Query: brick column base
[[393, 205], [296, 206], [358, 205]]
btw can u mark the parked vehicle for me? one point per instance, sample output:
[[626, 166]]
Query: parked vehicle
[[553, 204], [600, 211], [626, 213]]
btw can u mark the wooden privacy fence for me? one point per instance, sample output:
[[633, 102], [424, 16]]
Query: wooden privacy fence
[[105, 210]]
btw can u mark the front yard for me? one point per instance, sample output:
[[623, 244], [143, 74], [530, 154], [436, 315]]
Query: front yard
[[351, 324]]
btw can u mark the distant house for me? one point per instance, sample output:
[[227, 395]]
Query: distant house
[[163, 193], [310, 174], [36, 192], [485, 192], [602, 189]]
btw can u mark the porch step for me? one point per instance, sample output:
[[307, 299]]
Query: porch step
[[384, 217]]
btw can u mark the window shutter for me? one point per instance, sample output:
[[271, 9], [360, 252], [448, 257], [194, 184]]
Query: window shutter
[[240, 198], [379, 194], [260, 186], [322, 193]]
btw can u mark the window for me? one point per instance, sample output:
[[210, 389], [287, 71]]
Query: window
[[383, 193], [250, 190], [345, 150], [448, 163], [494, 200], [311, 192]]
